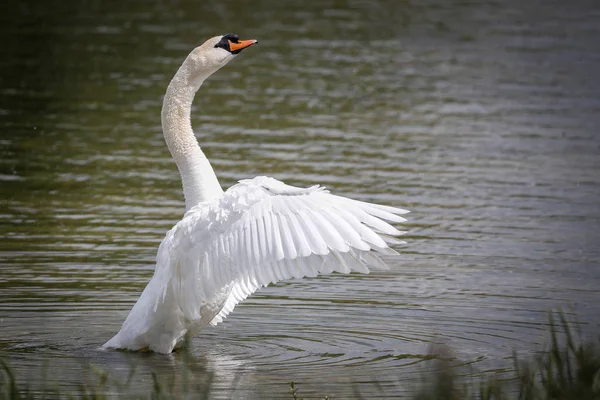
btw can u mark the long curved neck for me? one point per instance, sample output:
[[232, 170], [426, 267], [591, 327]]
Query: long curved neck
[[199, 180]]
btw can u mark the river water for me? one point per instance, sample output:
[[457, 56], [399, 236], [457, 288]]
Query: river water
[[482, 119]]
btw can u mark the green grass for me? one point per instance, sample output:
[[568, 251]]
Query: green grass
[[566, 369]]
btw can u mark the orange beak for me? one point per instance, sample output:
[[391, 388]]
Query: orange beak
[[242, 44]]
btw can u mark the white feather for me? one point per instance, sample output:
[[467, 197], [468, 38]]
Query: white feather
[[231, 243]]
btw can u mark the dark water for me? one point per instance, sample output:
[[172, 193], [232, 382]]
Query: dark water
[[484, 120]]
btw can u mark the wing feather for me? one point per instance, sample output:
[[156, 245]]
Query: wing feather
[[268, 235], [287, 241], [373, 259], [331, 236], [344, 224], [300, 240], [312, 265], [263, 231], [380, 212], [311, 232], [248, 246], [262, 239]]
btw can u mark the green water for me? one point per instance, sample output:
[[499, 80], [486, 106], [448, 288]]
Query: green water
[[484, 120]]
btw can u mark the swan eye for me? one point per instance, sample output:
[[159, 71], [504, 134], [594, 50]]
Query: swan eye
[[226, 40], [233, 44]]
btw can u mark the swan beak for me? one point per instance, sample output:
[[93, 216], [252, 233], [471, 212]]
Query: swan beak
[[242, 44]]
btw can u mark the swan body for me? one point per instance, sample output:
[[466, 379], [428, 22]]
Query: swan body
[[229, 244]]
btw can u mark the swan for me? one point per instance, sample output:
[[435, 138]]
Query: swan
[[229, 244]]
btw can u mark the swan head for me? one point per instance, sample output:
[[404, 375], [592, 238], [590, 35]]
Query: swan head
[[215, 53]]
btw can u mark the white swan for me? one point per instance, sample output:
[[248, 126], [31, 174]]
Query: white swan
[[231, 243]]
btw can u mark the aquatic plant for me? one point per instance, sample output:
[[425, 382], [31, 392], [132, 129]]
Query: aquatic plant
[[567, 369]]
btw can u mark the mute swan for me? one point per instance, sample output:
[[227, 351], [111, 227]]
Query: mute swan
[[229, 244]]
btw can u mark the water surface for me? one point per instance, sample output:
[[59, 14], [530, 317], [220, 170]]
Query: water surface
[[483, 120]]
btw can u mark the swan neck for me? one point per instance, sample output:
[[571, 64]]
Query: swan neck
[[199, 180]]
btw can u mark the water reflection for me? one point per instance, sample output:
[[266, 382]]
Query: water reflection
[[481, 119]]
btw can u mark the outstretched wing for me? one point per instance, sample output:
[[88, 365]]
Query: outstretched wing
[[262, 231]]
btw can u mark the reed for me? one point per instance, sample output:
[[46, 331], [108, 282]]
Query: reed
[[566, 369]]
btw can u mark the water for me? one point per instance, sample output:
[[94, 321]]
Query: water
[[482, 119]]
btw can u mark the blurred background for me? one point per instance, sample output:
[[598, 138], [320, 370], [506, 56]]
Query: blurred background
[[482, 118]]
